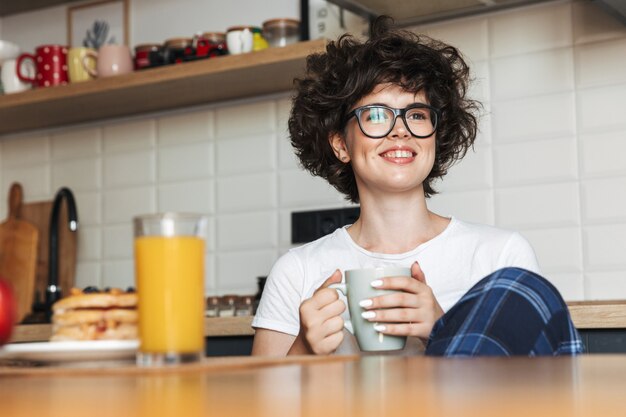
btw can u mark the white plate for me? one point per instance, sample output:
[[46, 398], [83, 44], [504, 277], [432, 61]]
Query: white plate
[[97, 350]]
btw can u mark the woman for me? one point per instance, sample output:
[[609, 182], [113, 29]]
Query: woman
[[381, 121]]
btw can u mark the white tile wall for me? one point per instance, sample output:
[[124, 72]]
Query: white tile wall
[[530, 29], [246, 192], [604, 246], [536, 161], [189, 196], [186, 162], [601, 108], [537, 117], [129, 136], [603, 153], [127, 169], [549, 160], [531, 74], [76, 143], [195, 126], [604, 200], [472, 206], [542, 205], [246, 155], [78, 174]]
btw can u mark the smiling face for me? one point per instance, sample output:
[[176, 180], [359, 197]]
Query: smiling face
[[396, 163]]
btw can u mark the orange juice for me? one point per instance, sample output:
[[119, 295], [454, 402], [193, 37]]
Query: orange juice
[[170, 288]]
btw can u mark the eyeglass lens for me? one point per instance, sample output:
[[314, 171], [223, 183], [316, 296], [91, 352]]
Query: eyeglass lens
[[379, 121]]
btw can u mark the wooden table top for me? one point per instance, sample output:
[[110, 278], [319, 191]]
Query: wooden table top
[[589, 385]]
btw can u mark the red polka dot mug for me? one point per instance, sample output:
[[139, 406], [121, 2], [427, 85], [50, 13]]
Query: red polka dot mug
[[50, 63]]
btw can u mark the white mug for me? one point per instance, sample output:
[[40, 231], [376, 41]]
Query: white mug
[[357, 286], [239, 40], [10, 81]]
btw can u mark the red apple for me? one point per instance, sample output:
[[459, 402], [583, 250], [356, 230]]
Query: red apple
[[8, 311]]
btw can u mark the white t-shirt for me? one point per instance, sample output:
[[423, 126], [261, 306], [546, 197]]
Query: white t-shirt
[[452, 262]]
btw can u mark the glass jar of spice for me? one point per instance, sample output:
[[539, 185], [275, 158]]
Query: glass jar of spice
[[281, 32], [175, 49]]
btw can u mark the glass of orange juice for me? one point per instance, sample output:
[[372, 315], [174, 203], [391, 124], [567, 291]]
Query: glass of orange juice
[[169, 275]]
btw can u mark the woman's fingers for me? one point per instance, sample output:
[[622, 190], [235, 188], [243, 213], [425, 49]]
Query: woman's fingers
[[396, 299], [395, 315], [405, 329]]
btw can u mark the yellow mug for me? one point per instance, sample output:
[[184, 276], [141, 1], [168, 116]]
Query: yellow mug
[[79, 62]]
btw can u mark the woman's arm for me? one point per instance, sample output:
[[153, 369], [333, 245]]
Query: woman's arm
[[271, 343], [321, 327]]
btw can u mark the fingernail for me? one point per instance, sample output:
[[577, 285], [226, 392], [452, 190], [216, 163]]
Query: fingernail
[[380, 327], [368, 314], [366, 303], [377, 283]]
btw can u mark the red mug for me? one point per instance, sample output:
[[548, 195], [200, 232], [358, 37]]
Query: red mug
[[50, 63]]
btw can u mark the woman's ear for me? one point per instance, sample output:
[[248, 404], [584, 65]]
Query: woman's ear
[[339, 147]]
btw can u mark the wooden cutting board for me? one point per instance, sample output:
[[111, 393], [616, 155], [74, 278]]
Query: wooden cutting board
[[18, 252]]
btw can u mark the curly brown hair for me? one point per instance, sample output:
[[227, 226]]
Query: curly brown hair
[[350, 69]]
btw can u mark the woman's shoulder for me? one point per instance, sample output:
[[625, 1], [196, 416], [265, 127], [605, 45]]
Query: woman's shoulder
[[480, 230]]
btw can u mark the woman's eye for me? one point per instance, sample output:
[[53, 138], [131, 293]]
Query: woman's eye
[[417, 115], [376, 116]]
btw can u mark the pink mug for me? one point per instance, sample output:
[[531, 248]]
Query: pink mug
[[50, 66], [111, 60]]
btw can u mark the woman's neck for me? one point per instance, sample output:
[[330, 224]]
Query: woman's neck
[[395, 223]]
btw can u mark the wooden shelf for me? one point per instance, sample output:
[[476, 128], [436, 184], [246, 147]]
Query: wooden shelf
[[192, 83]]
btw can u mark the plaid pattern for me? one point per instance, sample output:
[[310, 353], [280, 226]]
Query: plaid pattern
[[510, 312]]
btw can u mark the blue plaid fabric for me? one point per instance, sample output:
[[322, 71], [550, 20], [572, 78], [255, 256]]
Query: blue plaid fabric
[[510, 312]]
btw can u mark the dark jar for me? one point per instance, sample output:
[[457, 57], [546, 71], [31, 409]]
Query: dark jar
[[148, 55], [175, 49]]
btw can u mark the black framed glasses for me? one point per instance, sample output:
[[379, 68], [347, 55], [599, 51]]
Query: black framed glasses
[[377, 120]]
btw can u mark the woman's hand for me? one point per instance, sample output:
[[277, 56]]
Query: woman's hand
[[321, 325], [412, 311]]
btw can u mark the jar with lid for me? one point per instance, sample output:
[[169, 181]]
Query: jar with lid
[[258, 41], [239, 39], [281, 32], [212, 307], [148, 55], [245, 306], [175, 49], [228, 305]]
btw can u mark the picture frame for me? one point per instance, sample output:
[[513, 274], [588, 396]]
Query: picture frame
[[98, 23], [323, 19]]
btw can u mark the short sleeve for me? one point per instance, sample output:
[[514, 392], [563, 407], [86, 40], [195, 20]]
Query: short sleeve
[[518, 252], [279, 306]]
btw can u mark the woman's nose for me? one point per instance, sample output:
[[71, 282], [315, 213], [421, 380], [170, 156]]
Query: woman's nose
[[399, 129]]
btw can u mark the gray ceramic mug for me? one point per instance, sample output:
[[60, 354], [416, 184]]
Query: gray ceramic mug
[[357, 287]]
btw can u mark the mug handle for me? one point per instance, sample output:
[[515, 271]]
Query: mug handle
[[18, 66], [342, 288], [93, 55]]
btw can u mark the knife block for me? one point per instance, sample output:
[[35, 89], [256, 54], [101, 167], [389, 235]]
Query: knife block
[[38, 214]]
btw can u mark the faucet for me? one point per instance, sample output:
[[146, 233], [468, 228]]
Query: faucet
[[53, 291]]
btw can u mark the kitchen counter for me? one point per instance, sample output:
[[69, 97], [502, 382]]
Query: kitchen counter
[[590, 385], [213, 327], [585, 314]]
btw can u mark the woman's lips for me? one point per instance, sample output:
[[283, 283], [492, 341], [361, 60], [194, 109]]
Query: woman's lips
[[398, 156]]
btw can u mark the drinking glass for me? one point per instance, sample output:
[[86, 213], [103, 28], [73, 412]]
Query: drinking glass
[[169, 274]]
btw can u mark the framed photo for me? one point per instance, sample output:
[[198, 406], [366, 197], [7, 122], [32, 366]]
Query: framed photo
[[325, 19], [98, 23]]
